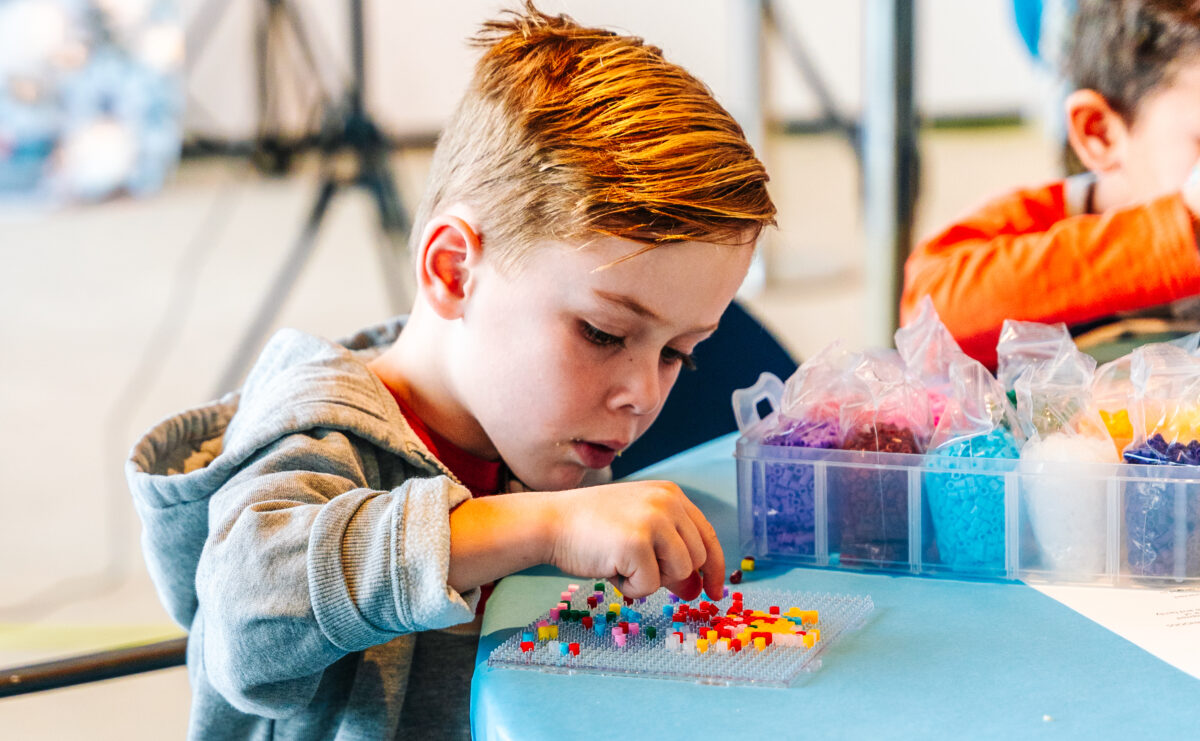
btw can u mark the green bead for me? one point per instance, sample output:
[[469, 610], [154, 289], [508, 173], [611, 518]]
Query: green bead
[[598, 586], [650, 631]]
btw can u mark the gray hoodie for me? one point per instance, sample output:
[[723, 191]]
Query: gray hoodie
[[299, 531]]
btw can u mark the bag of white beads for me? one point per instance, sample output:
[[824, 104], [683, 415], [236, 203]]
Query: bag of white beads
[[1063, 492]]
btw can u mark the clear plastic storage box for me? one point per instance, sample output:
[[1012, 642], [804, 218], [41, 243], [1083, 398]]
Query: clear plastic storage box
[[999, 519]]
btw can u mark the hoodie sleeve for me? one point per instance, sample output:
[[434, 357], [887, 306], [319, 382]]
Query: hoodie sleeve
[[305, 563]]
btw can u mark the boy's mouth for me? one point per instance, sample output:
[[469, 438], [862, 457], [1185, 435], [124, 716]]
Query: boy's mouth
[[597, 454]]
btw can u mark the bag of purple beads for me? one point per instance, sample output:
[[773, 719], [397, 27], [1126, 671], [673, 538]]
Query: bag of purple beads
[[783, 499], [892, 417], [1162, 516]]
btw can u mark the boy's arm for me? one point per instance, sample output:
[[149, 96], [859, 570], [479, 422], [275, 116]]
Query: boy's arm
[[305, 563], [1023, 258], [640, 534]]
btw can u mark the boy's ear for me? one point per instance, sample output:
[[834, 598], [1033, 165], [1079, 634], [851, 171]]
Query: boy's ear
[[1097, 133], [450, 251]]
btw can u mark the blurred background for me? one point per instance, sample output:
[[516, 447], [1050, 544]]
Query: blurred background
[[179, 178]]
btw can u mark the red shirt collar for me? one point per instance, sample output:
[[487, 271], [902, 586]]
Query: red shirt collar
[[481, 476]]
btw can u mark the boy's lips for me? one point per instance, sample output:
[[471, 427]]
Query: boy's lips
[[597, 454]]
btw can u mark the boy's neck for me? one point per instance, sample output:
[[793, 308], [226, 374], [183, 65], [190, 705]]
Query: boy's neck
[[413, 369], [1108, 192]]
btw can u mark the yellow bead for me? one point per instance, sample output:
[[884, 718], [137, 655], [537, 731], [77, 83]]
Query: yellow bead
[[760, 643], [701, 645]]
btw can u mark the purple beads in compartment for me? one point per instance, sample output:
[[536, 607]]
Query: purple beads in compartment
[[1161, 514], [968, 508], [787, 499], [874, 502]]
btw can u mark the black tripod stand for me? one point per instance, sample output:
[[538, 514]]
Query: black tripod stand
[[353, 152]]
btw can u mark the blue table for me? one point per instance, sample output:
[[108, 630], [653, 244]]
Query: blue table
[[937, 659]]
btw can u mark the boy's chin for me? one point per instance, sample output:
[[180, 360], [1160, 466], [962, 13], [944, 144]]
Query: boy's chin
[[561, 477]]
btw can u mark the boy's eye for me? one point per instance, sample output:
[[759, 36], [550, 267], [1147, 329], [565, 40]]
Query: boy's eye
[[671, 356], [600, 337]]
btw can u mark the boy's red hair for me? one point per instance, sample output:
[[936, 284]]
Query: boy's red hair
[[568, 131]]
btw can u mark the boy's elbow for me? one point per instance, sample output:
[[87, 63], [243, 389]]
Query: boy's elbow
[[274, 700]]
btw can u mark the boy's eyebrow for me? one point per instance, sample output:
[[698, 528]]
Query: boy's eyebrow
[[636, 307]]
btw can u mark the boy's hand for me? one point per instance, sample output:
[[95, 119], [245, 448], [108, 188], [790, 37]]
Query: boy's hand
[[639, 534]]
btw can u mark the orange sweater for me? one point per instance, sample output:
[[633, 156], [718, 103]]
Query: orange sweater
[[1025, 256]]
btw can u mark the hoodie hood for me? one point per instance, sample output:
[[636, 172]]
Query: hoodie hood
[[299, 383]]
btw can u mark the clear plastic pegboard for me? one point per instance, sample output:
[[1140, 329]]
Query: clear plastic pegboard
[[767, 637]]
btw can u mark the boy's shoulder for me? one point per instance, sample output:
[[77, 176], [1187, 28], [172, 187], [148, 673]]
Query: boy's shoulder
[[302, 381]]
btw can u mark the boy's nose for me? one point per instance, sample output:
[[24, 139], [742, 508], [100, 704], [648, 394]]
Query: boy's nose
[[639, 389]]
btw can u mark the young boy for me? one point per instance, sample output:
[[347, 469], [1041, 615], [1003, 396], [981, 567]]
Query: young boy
[[591, 212], [1116, 240]]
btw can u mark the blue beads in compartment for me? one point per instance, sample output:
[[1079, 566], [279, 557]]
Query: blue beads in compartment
[[968, 508]]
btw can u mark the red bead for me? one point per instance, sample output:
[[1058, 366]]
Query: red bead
[[774, 609], [735, 577], [574, 649], [587, 622], [736, 596], [526, 645]]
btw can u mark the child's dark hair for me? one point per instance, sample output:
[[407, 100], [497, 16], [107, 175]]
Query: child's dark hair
[[1125, 49]]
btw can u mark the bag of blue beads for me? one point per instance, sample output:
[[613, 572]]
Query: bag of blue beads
[[1162, 516], [975, 443]]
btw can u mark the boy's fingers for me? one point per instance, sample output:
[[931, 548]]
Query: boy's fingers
[[674, 558], [696, 549], [714, 563], [640, 572], [688, 589]]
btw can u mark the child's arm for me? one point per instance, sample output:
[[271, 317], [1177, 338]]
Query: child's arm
[[1022, 258], [307, 562], [640, 534]]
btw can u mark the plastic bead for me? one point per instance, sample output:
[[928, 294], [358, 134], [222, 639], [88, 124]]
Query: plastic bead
[[735, 577]]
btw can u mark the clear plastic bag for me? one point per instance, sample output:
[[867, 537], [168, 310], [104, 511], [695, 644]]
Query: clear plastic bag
[[1112, 397], [1161, 516], [807, 417], [928, 350], [1023, 344], [891, 417], [1065, 498], [968, 508]]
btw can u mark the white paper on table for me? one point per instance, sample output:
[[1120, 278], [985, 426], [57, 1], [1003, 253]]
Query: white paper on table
[[1165, 622]]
